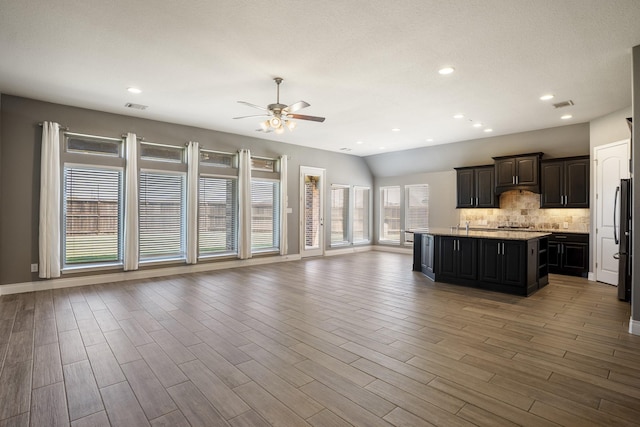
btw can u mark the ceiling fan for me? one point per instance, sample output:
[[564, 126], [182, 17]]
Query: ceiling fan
[[280, 115]]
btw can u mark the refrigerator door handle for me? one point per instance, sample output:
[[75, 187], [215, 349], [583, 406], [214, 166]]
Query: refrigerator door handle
[[615, 208]]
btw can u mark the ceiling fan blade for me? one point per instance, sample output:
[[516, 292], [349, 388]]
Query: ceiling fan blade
[[253, 105], [253, 115], [303, 117], [296, 106]]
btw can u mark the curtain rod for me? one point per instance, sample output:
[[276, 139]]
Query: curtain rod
[[61, 127], [139, 138]]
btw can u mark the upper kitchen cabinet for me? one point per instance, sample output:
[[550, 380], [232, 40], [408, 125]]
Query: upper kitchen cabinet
[[565, 183], [476, 187], [518, 172]]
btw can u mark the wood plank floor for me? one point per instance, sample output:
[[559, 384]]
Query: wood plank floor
[[336, 341]]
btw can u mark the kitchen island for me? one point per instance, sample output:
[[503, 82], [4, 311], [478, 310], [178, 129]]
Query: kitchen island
[[508, 261]]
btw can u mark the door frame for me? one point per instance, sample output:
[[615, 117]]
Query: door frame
[[594, 240], [304, 171]]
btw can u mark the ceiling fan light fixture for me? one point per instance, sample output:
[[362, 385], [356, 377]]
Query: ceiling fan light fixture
[[275, 122], [265, 125], [279, 130], [291, 124]]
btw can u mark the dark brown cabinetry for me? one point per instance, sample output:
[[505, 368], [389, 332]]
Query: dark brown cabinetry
[[569, 254], [476, 187], [565, 183], [503, 261], [458, 257], [518, 173]]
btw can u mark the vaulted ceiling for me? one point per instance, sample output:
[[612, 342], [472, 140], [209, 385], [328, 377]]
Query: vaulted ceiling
[[367, 66]]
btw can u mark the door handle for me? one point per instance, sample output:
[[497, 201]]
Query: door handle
[[616, 255], [615, 207]]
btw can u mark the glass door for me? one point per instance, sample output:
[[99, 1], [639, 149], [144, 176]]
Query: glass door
[[311, 211]]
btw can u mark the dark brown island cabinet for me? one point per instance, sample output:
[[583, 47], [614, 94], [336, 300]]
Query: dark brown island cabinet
[[476, 187], [565, 183], [513, 262]]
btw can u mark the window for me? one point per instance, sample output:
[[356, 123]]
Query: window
[[339, 214], [162, 215], [416, 211], [361, 214], [262, 164], [390, 214], [92, 201], [217, 216], [265, 215], [92, 212], [163, 153], [214, 158]]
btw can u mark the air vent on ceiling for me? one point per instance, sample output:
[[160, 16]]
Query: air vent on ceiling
[[562, 104], [136, 106], [345, 149]]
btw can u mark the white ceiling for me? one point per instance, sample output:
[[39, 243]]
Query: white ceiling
[[367, 66]]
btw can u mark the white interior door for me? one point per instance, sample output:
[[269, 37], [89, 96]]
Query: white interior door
[[612, 165], [311, 211]]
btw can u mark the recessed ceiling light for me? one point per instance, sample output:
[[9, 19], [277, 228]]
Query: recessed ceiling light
[[381, 148], [546, 97], [429, 139], [566, 117], [358, 142], [446, 70], [134, 90], [459, 116], [488, 130], [395, 130], [477, 125]]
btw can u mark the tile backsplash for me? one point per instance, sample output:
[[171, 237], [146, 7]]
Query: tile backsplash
[[522, 208]]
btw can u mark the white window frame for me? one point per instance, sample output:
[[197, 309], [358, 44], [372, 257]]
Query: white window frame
[[346, 218], [367, 215], [208, 255], [382, 217], [275, 221], [410, 227]]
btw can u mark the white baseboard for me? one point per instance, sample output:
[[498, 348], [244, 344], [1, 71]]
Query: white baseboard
[[634, 327], [396, 249], [591, 276], [68, 282], [348, 250]]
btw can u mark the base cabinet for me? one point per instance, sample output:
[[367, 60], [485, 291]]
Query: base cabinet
[[503, 262], [569, 254], [458, 257]]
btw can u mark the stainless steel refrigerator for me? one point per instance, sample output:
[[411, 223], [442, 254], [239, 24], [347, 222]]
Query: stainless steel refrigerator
[[622, 235]]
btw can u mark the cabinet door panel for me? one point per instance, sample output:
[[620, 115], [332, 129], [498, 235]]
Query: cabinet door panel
[[527, 170], [552, 181], [447, 256], [575, 256], [553, 251], [505, 171], [486, 188], [577, 183], [489, 268], [513, 263], [427, 254], [467, 258], [465, 188]]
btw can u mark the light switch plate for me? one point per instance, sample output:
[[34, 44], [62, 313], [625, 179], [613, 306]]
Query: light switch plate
[[34, 268]]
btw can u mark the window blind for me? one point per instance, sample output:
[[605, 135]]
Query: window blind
[[265, 215], [339, 214], [361, 214], [218, 216], [416, 207], [162, 216], [390, 205], [92, 200]]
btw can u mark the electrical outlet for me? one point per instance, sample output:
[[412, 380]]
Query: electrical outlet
[[34, 268], [565, 225]]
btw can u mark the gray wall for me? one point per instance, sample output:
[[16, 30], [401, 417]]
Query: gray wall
[[434, 165], [20, 174], [555, 142]]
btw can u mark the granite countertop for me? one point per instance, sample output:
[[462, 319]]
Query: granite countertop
[[486, 234]]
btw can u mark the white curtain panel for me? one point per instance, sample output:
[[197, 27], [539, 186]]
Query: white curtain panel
[[283, 205], [244, 205], [193, 161], [49, 233], [131, 238]]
